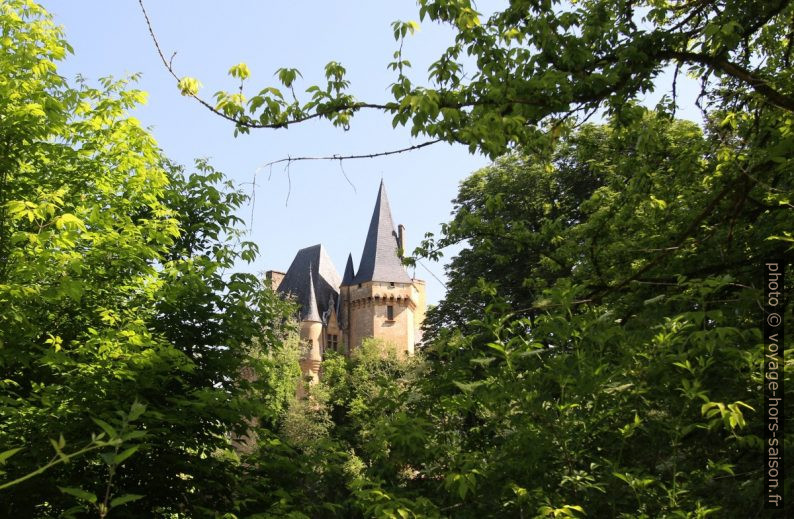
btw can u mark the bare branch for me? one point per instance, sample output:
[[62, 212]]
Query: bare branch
[[290, 160], [344, 173], [247, 122], [432, 274]]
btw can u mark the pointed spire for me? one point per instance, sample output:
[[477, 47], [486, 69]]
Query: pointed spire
[[347, 278], [379, 261], [311, 313]]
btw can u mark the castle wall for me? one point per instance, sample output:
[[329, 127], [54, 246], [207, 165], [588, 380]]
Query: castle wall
[[420, 295], [361, 324], [397, 333], [332, 329], [369, 311]]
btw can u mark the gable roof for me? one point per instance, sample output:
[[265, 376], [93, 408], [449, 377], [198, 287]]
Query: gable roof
[[313, 294], [379, 260]]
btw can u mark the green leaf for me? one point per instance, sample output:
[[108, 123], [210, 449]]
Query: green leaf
[[79, 493], [468, 387], [189, 86], [126, 498], [108, 457], [497, 347], [620, 476], [109, 430], [58, 450], [69, 221], [133, 435], [120, 457], [7, 454], [136, 410], [240, 70], [654, 299]]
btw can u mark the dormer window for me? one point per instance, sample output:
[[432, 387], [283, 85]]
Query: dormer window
[[391, 284], [332, 341]]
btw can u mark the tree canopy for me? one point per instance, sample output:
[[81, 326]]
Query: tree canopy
[[599, 352], [509, 76], [115, 297]]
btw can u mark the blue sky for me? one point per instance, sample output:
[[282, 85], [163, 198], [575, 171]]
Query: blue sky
[[111, 38]]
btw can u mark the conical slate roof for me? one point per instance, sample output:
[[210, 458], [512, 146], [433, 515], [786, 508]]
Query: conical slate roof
[[379, 261], [321, 286], [347, 278], [311, 313]]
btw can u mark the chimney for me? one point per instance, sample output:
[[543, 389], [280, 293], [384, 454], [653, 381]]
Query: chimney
[[401, 239], [275, 277]]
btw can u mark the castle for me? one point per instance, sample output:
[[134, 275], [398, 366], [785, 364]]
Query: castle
[[378, 300]]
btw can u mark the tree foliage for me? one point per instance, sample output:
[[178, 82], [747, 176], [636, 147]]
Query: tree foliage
[[535, 63], [598, 353], [115, 294], [600, 344]]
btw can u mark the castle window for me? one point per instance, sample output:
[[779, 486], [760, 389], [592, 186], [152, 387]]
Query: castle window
[[391, 284], [390, 313], [332, 341]]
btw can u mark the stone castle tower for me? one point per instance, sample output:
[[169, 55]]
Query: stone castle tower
[[379, 300]]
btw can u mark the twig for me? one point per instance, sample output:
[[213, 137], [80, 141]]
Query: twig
[[248, 123], [338, 157], [431, 273], [675, 87], [289, 183], [57, 460], [253, 200], [344, 173]]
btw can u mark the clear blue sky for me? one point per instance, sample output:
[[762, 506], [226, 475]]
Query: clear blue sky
[[111, 38]]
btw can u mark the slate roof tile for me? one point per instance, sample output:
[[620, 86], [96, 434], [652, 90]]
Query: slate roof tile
[[323, 276], [379, 260]]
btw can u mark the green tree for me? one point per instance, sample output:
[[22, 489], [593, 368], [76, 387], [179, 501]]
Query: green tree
[[609, 354], [115, 288], [598, 353], [342, 451]]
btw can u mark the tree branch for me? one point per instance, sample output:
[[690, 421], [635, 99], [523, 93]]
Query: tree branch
[[290, 160], [759, 84], [247, 122], [693, 226]]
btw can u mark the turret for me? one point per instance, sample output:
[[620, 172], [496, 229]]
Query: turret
[[311, 333], [381, 296]]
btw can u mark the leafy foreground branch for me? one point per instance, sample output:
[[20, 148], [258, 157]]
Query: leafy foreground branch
[[111, 438], [536, 64]]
